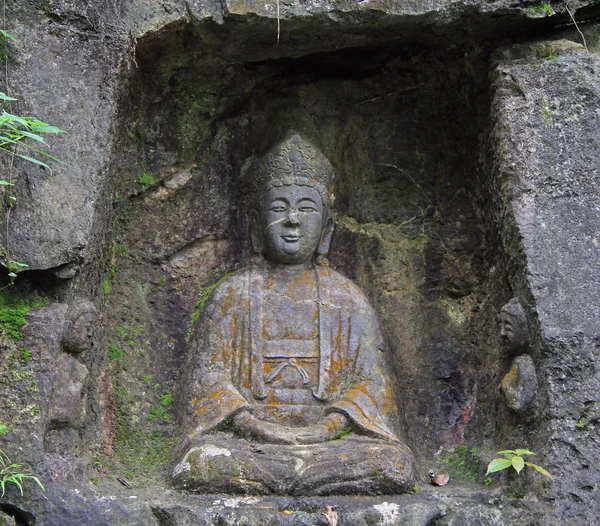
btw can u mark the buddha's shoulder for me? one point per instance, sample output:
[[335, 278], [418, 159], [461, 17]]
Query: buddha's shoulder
[[343, 287], [229, 287]]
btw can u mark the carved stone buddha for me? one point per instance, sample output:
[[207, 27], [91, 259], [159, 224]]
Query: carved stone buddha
[[286, 390]]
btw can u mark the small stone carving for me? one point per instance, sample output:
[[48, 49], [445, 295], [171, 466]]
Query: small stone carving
[[79, 326], [289, 353], [520, 384], [514, 327], [66, 407]]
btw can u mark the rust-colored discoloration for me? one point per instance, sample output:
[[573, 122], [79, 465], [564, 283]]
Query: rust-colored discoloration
[[289, 351], [462, 424], [107, 404]]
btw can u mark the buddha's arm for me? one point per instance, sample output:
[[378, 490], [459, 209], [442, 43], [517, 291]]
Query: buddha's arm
[[248, 426], [327, 429]]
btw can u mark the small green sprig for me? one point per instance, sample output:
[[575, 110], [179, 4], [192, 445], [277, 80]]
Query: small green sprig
[[10, 472], [514, 458]]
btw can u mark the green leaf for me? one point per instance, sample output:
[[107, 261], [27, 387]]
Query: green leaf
[[506, 451], [14, 480], [524, 452], [518, 463], [498, 464], [3, 429], [14, 118], [6, 34], [8, 139], [4, 96], [42, 127], [34, 137], [38, 482], [5, 183], [36, 161], [539, 469]]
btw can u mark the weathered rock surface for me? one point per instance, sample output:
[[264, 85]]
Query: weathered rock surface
[[547, 102]]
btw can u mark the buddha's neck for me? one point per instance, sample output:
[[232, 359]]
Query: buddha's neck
[[288, 270]]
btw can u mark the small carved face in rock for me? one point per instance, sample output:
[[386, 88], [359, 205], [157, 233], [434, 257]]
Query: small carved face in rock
[[292, 219], [514, 325], [79, 328]]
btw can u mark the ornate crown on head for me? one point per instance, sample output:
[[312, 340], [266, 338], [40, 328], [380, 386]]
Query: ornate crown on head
[[292, 161]]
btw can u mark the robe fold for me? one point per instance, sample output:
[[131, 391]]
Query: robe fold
[[227, 373]]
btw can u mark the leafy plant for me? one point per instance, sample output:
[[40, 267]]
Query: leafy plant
[[514, 458], [10, 472], [18, 131]]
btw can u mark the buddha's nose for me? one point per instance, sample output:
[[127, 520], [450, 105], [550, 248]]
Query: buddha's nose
[[292, 218]]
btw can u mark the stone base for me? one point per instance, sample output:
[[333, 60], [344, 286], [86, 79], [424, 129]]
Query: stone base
[[451, 505], [454, 506]]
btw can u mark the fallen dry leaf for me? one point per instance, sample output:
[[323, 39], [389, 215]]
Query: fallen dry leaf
[[440, 479], [331, 515]]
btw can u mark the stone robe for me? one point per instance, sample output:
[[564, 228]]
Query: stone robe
[[290, 353]]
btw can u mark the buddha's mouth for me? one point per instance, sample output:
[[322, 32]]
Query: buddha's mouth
[[291, 238]]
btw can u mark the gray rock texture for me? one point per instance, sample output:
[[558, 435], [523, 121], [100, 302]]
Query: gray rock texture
[[520, 385], [465, 138]]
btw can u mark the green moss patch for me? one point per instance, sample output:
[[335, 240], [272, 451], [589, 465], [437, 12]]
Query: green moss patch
[[13, 309], [200, 303], [143, 454]]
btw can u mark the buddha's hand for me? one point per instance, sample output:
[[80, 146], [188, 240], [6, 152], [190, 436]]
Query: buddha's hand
[[250, 427], [328, 428]]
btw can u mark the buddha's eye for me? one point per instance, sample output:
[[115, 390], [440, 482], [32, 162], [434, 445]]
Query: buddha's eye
[[277, 208], [307, 208]]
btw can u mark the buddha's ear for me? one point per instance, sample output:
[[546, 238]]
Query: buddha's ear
[[255, 232], [323, 247]]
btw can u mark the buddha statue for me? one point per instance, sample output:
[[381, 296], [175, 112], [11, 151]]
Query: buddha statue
[[286, 390]]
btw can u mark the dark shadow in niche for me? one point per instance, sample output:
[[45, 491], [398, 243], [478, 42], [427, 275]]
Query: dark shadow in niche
[[21, 517]]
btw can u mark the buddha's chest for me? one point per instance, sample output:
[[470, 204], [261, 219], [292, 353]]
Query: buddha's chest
[[290, 340], [289, 318]]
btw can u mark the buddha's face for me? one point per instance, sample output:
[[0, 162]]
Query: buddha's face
[[292, 219]]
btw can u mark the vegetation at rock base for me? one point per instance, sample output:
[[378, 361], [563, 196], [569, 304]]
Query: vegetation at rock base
[[514, 458], [464, 463], [11, 472], [141, 453]]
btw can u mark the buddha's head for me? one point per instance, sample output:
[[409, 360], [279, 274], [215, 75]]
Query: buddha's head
[[514, 326], [290, 189]]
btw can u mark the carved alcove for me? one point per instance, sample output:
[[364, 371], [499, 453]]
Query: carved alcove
[[400, 120]]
